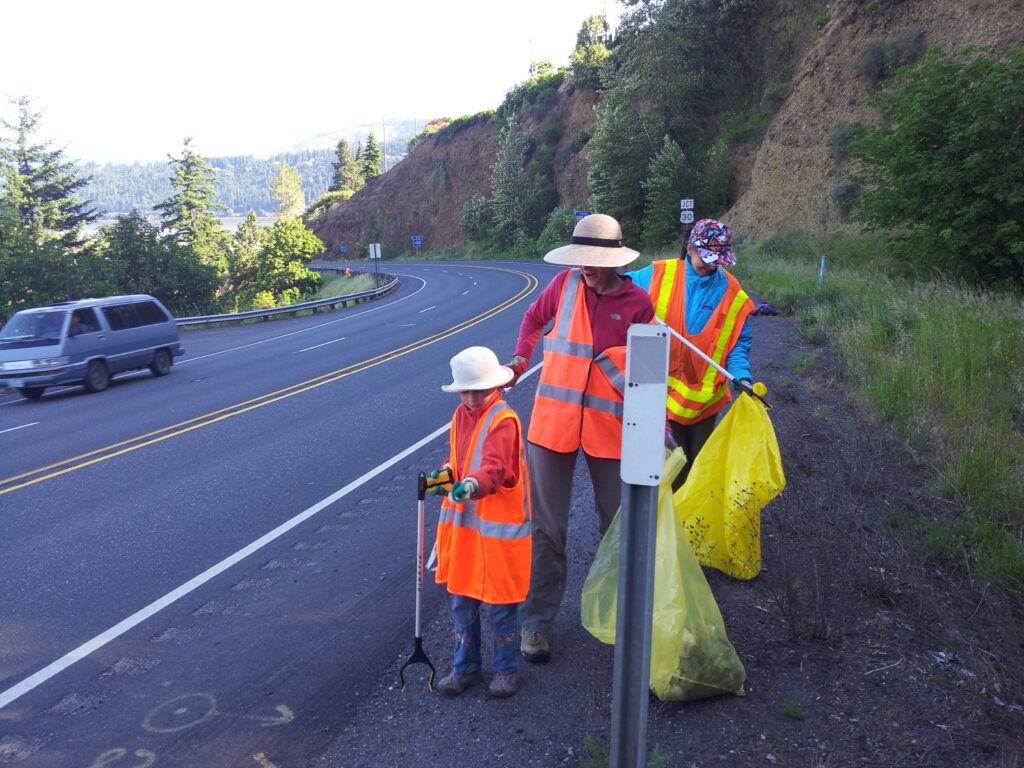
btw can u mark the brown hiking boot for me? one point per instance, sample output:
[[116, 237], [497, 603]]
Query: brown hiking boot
[[452, 684], [503, 686], [535, 646]]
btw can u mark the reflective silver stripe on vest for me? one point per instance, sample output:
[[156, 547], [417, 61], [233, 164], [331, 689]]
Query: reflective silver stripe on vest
[[562, 394], [467, 516], [572, 287], [611, 370], [571, 348], [478, 449], [603, 404]]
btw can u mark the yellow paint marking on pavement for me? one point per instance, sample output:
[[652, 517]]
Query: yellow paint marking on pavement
[[150, 438], [261, 758]]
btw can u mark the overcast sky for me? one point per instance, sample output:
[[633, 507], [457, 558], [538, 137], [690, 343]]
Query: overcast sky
[[124, 81]]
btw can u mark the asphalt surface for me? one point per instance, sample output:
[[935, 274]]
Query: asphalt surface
[[206, 569]]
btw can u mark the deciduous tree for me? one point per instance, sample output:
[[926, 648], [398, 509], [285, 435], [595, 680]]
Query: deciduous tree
[[942, 173], [286, 188]]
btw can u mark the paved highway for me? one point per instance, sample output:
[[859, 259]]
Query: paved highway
[[207, 569]]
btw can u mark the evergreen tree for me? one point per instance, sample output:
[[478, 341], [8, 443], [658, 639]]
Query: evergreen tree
[[591, 49], [669, 179], [509, 184], [188, 215], [347, 174], [243, 259], [371, 158], [620, 153], [39, 186], [287, 190]]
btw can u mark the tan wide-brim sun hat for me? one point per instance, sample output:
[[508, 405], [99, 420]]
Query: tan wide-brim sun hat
[[476, 368], [596, 242]]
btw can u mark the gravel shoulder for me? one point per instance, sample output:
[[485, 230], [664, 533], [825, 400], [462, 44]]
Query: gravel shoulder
[[859, 649]]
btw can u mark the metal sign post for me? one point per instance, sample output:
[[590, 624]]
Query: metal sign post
[[375, 255], [643, 439]]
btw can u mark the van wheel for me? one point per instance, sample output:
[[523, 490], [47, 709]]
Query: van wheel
[[32, 393], [97, 376], [161, 364]]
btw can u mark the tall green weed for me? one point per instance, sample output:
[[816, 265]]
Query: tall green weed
[[939, 361]]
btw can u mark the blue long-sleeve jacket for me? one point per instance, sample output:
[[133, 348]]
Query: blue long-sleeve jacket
[[702, 296]]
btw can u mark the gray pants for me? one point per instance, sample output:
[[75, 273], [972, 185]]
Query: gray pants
[[550, 493], [691, 438]]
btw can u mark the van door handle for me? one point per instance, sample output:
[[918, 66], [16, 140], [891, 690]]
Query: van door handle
[[101, 337]]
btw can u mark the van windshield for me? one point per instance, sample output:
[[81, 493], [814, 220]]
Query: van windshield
[[33, 328]]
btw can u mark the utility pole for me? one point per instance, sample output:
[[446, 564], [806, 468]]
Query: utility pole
[[384, 142]]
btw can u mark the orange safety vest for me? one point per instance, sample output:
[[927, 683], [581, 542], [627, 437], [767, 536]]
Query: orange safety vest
[[484, 546], [697, 390], [579, 397]]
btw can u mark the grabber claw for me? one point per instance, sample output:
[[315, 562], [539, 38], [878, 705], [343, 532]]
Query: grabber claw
[[419, 656]]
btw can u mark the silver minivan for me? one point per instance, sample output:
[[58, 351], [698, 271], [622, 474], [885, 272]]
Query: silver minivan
[[86, 342]]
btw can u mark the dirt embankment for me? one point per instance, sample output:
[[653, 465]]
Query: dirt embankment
[[794, 174], [424, 194]]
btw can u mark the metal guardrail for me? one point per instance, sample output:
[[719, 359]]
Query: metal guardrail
[[374, 293]]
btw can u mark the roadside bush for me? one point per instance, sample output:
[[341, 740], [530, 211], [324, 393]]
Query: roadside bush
[[941, 171]]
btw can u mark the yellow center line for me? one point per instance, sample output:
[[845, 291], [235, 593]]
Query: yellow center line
[[182, 427]]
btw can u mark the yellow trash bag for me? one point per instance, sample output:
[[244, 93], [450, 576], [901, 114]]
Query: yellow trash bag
[[691, 657], [736, 473]]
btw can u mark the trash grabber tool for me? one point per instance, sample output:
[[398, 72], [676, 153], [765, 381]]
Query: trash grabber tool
[[419, 656], [756, 389]]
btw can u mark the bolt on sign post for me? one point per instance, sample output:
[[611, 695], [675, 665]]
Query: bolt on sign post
[[643, 440]]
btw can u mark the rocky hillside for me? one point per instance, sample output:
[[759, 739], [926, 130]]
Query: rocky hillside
[[424, 194], [793, 173], [785, 180]]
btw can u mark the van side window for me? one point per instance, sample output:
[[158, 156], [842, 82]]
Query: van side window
[[85, 320], [121, 316], [150, 314]]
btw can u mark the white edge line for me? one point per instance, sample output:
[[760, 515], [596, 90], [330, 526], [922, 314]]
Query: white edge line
[[21, 427], [50, 670], [317, 346]]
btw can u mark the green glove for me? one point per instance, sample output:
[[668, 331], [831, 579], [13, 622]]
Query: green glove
[[462, 492]]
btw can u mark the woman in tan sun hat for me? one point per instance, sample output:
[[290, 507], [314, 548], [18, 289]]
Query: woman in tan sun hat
[[578, 402]]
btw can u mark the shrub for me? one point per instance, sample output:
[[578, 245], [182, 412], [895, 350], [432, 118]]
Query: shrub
[[881, 58], [838, 141], [941, 171]]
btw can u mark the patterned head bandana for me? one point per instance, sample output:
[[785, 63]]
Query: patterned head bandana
[[713, 242]]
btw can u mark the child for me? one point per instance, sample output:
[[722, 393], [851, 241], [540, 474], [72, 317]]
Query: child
[[483, 536]]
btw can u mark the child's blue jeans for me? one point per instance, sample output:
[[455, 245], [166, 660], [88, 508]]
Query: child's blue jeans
[[505, 625]]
